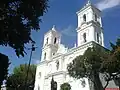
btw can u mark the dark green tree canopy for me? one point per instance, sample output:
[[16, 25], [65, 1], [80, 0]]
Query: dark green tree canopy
[[4, 64], [111, 64], [17, 19], [113, 60], [84, 65], [16, 81], [65, 86], [88, 66], [97, 60]]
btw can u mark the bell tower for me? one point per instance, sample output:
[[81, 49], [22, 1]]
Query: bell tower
[[89, 25], [51, 42]]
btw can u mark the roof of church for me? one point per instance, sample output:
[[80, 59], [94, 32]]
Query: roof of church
[[53, 29], [88, 4]]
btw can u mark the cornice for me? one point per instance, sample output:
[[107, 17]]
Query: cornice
[[56, 73], [82, 9], [43, 62], [87, 7], [72, 50], [88, 24], [87, 44], [49, 46]]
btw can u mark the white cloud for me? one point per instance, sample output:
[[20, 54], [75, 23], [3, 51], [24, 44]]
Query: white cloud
[[107, 4], [69, 31]]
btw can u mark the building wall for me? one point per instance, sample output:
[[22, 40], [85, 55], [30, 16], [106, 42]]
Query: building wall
[[3, 87], [49, 69]]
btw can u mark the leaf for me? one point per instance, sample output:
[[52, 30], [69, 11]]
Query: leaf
[[4, 64], [17, 20], [18, 77]]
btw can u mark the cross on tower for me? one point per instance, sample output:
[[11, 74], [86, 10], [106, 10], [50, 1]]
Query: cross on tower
[[89, 2]]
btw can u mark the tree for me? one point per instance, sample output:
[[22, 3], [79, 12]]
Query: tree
[[3, 67], [16, 81], [95, 61], [65, 86], [113, 60], [88, 66], [17, 19]]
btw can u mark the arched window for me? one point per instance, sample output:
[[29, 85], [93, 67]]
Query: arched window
[[57, 65], [38, 87], [84, 37], [44, 56], [53, 53], [39, 75], [55, 40], [95, 17], [55, 85], [98, 38], [47, 41], [84, 17]]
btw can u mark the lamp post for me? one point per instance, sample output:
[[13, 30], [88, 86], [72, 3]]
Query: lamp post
[[32, 49]]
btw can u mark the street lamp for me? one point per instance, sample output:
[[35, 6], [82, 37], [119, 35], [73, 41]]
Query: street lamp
[[32, 49]]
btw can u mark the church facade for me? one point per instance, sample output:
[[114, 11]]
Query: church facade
[[55, 56]]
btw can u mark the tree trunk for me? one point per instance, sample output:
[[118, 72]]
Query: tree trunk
[[119, 85], [97, 82]]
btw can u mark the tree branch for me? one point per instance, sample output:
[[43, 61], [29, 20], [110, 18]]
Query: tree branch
[[106, 85]]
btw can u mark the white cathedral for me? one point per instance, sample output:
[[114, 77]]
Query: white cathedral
[[55, 56]]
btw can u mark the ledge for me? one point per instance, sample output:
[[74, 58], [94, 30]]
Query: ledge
[[56, 73]]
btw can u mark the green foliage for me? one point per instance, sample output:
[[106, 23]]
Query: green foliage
[[4, 64], [88, 66], [84, 65], [111, 64], [17, 19], [16, 81], [113, 59], [65, 86], [97, 60]]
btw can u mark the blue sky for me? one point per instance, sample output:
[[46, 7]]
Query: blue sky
[[62, 14]]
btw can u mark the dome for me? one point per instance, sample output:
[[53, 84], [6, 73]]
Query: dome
[[62, 49]]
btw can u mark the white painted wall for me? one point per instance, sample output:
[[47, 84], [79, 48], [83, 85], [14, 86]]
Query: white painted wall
[[90, 26], [48, 69], [50, 48]]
